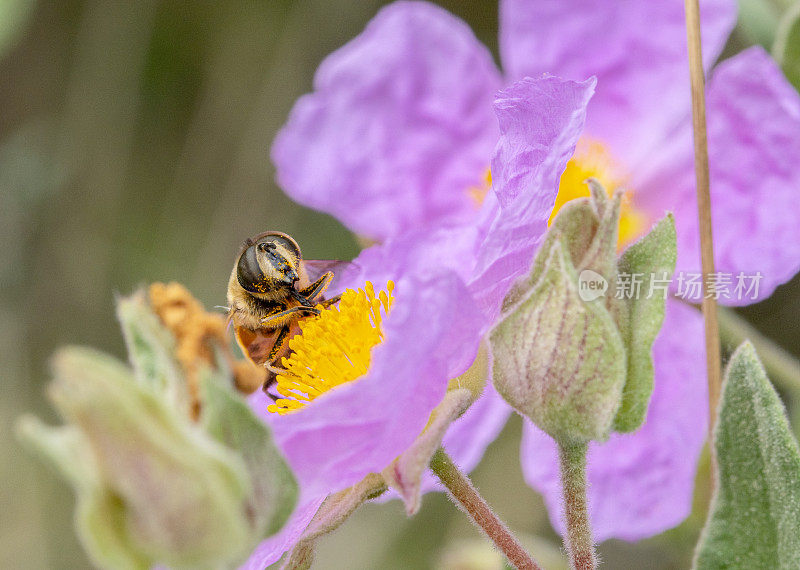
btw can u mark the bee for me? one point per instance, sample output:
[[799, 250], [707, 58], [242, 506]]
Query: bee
[[270, 290]]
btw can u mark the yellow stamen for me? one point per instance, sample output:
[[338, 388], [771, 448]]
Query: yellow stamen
[[592, 160], [334, 347]]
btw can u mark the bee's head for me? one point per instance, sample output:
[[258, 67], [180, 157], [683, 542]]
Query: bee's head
[[269, 263]]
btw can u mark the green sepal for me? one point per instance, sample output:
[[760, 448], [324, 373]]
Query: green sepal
[[559, 360], [151, 349], [754, 520], [228, 418], [151, 486], [640, 318], [786, 49], [588, 230]]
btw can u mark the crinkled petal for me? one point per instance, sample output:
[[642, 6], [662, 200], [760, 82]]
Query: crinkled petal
[[540, 123], [641, 484], [754, 149], [637, 50], [431, 334], [421, 251], [399, 126]]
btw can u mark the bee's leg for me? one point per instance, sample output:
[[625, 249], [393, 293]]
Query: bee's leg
[[314, 291], [271, 380], [270, 319], [332, 301], [272, 370], [279, 344]]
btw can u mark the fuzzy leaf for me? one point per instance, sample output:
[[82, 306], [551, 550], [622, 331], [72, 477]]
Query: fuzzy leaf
[[601, 255], [162, 490], [63, 447], [559, 360], [150, 349], [754, 521], [653, 256], [231, 421], [786, 49]]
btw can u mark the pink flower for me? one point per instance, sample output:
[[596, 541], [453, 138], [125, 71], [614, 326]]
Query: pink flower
[[440, 314], [397, 136]]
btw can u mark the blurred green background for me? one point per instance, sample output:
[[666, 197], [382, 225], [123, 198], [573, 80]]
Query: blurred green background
[[134, 143]]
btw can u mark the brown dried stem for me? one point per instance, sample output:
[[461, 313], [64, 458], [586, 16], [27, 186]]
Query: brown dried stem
[[713, 361]]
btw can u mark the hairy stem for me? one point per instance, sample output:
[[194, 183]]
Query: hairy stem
[[576, 514], [470, 501]]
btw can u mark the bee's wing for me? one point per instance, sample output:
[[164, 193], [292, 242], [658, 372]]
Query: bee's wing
[[345, 273]]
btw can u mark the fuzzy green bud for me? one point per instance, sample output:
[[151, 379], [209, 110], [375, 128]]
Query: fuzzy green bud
[[568, 353], [155, 486]]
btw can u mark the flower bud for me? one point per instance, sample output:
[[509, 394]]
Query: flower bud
[[153, 485], [568, 354]]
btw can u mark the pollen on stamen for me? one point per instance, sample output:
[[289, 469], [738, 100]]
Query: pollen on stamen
[[334, 347]]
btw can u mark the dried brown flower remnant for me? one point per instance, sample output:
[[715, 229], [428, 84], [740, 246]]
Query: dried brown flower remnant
[[197, 333]]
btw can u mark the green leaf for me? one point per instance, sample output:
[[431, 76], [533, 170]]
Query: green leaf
[[150, 349], [159, 488], [641, 317], [601, 255], [230, 420], [754, 521], [786, 48], [63, 447], [559, 360]]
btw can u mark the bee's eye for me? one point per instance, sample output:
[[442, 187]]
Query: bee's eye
[[248, 271]]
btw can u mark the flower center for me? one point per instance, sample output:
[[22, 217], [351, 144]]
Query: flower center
[[334, 347], [592, 160]]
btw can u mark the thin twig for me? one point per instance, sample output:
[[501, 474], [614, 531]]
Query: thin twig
[[713, 361], [470, 501]]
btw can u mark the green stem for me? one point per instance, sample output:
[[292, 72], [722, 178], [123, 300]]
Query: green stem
[[468, 498], [576, 514], [781, 366]]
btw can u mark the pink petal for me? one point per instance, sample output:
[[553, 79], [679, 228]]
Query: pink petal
[[358, 428], [637, 50], [399, 125], [540, 122], [754, 149]]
